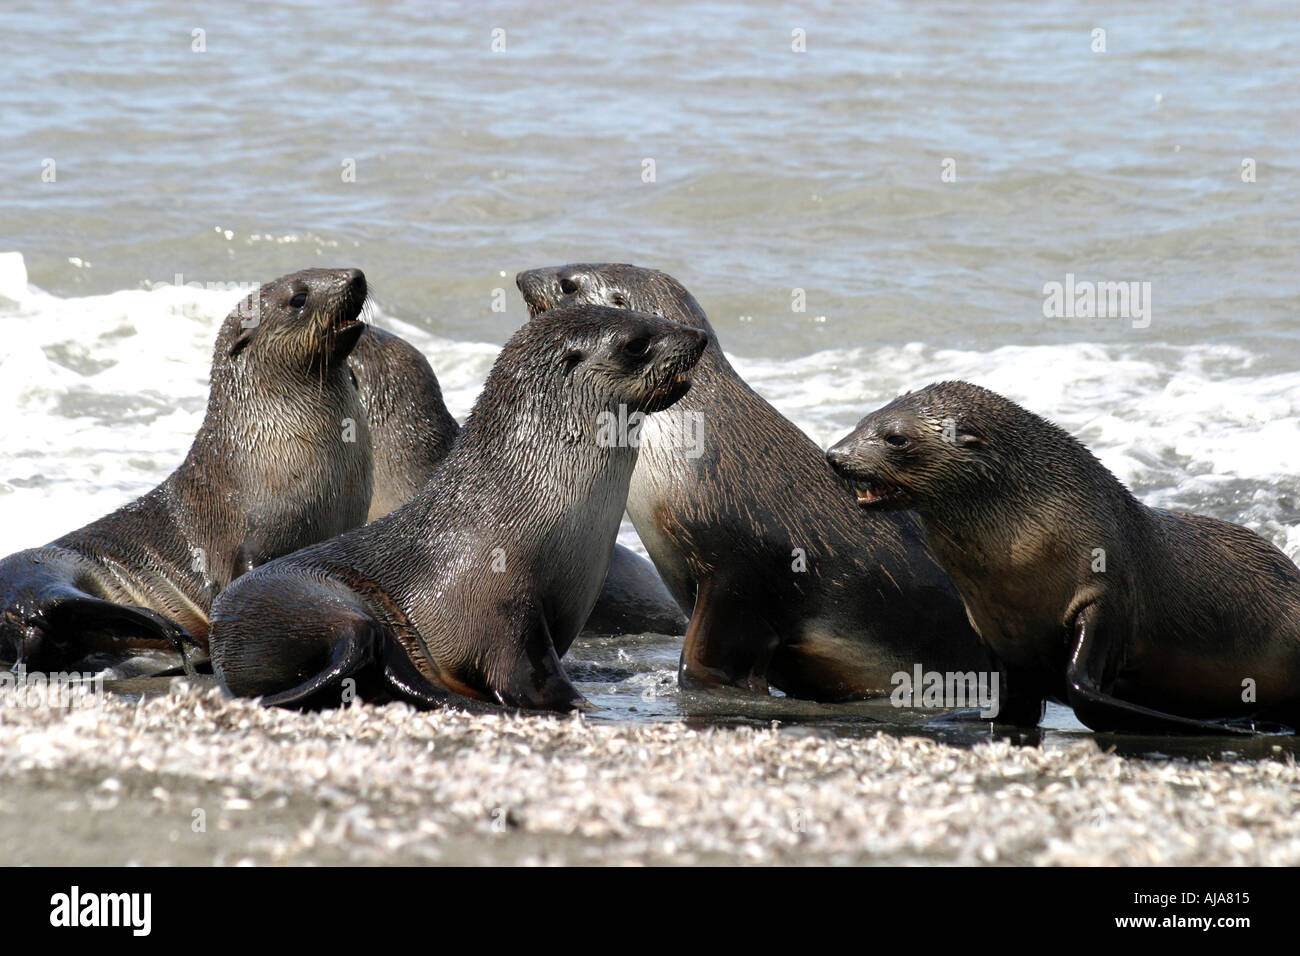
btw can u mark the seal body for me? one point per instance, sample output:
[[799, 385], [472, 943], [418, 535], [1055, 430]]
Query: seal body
[[634, 600], [412, 432], [758, 539], [1140, 619], [476, 587], [281, 460]]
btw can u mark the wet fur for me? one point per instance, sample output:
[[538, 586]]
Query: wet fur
[[483, 580], [412, 433], [722, 528], [1186, 609], [267, 473]]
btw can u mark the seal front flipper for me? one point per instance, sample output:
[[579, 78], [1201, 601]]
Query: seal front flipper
[[91, 623], [1092, 668], [726, 645], [535, 678]]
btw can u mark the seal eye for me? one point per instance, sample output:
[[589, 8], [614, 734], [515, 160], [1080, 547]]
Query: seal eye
[[638, 346], [897, 440], [568, 286], [299, 300]]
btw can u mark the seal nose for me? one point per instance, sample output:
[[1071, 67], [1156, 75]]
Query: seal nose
[[537, 286], [838, 457], [701, 342], [355, 280]]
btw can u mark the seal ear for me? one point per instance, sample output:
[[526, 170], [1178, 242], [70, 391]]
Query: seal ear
[[970, 438], [572, 359], [238, 345]]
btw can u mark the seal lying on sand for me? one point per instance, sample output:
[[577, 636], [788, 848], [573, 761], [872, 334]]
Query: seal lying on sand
[[1140, 619], [757, 538], [282, 460], [412, 432], [478, 585]]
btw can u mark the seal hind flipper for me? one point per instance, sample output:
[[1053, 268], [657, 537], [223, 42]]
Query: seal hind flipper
[[406, 683], [87, 618], [334, 639], [303, 666], [1091, 668]]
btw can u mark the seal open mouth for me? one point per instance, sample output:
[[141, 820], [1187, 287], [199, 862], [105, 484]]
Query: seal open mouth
[[871, 492], [344, 334], [349, 315], [668, 392]]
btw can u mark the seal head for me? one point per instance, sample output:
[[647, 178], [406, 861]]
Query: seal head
[[892, 462]]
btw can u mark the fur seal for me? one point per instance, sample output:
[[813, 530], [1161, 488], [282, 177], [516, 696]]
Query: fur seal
[[757, 538], [477, 586], [1140, 619], [412, 431], [281, 460]]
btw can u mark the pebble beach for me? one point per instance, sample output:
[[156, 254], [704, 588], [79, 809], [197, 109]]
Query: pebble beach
[[190, 777]]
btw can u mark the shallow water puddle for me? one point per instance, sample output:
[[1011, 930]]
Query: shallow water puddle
[[633, 679]]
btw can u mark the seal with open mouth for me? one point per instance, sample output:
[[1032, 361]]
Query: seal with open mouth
[[473, 589], [1140, 619], [281, 460], [412, 432], [757, 538]]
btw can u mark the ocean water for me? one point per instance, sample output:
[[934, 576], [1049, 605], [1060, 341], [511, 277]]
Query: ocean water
[[917, 175]]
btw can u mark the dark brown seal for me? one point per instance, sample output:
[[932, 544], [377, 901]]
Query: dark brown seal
[[1140, 619], [281, 460], [757, 538], [412, 431], [476, 587]]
